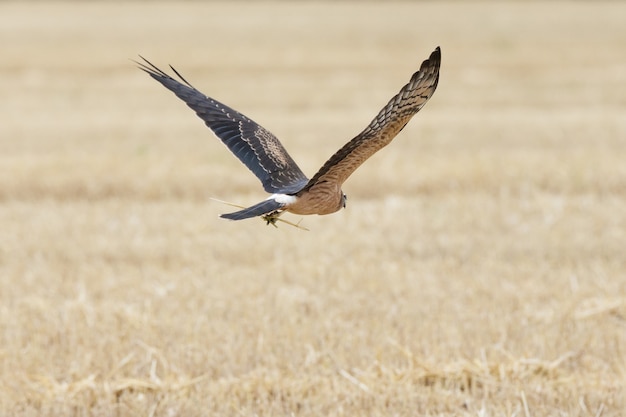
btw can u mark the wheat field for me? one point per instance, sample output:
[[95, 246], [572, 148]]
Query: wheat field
[[479, 268]]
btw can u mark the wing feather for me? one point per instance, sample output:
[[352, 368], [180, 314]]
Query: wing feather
[[255, 146], [385, 126]]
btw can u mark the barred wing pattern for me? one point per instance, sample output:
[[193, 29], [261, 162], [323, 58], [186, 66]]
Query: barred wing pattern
[[255, 146], [385, 126]]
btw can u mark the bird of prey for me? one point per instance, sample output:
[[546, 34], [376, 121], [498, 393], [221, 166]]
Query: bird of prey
[[266, 157]]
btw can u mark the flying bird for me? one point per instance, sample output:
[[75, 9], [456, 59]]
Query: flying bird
[[266, 157]]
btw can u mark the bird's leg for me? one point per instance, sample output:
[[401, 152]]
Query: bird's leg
[[272, 218]]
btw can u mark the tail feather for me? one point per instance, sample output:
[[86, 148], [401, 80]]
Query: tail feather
[[259, 209]]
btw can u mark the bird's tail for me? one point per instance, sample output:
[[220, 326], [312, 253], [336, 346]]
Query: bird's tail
[[259, 209]]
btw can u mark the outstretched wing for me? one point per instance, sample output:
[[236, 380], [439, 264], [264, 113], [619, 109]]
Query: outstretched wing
[[256, 147], [385, 126]]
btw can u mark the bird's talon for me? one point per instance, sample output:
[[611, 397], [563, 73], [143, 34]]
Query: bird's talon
[[271, 218]]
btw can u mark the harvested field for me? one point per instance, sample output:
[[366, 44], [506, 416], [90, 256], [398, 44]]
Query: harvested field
[[478, 270]]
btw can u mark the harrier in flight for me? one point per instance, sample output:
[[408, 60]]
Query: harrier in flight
[[266, 157]]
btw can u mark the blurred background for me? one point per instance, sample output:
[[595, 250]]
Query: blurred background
[[478, 267]]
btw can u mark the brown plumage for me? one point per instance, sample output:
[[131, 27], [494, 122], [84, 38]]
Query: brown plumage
[[266, 157]]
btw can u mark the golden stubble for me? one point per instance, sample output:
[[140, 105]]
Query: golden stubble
[[477, 270]]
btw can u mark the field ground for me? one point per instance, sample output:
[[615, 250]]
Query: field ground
[[478, 270]]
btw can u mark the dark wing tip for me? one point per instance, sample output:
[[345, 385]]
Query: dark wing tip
[[429, 69], [148, 67], [157, 72], [436, 54], [433, 61]]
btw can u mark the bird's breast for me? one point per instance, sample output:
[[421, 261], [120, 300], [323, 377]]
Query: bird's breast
[[320, 199]]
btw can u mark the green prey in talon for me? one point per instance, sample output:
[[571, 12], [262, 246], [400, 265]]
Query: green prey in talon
[[270, 218]]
